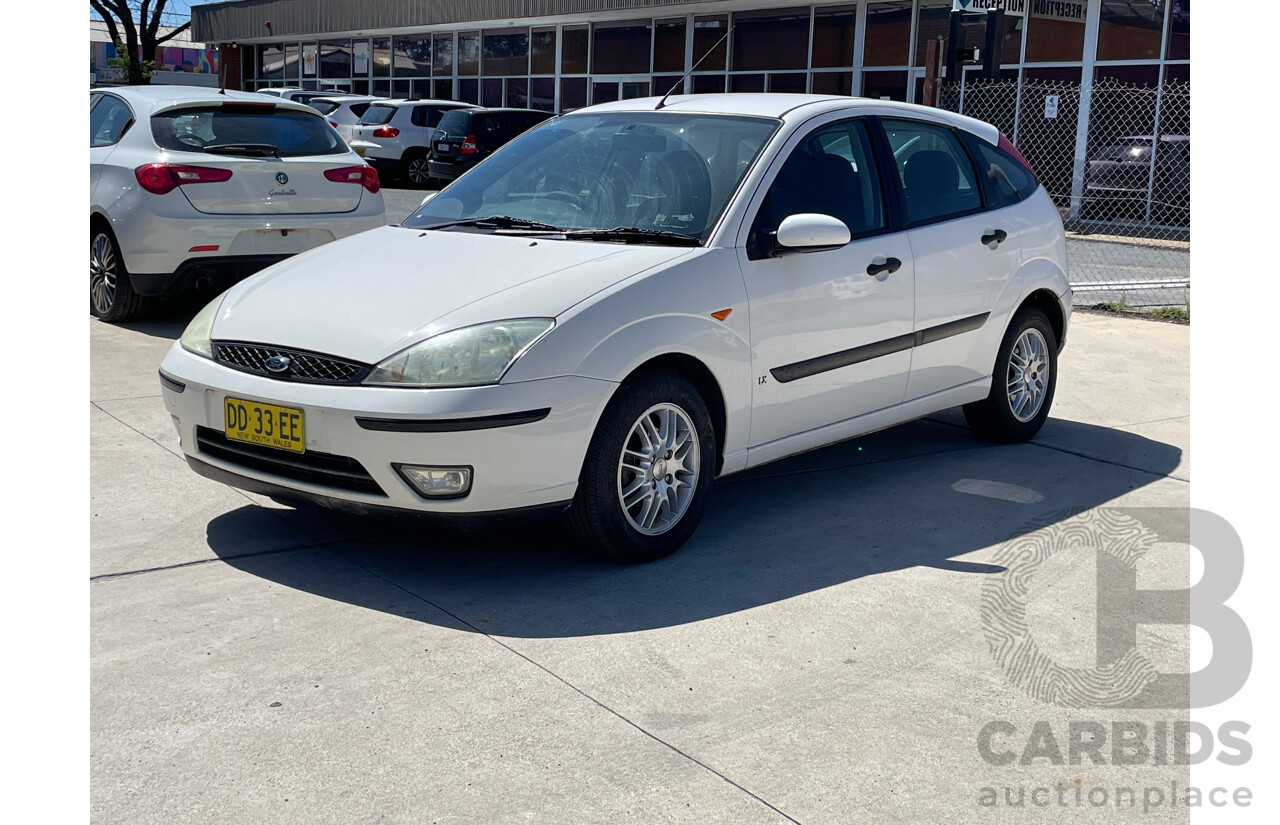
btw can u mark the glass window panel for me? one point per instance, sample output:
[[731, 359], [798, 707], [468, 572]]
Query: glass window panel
[[888, 37], [1177, 74], [1056, 32], [382, 57], [621, 47], [469, 53], [771, 39], [1148, 76], [412, 57], [270, 62], [506, 52], [469, 90], [491, 92], [746, 83], [707, 32], [1130, 30], [1180, 31], [248, 62], [335, 59], [789, 83], [542, 52], [542, 94], [291, 68], [360, 87], [833, 36], [310, 85], [704, 84], [573, 52], [1054, 74], [605, 92], [573, 91], [668, 45], [663, 83], [442, 57], [935, 172], [833, 83], [382, 88], [935, 22], [880, 85], [518, 92], [401, 88], [442, 89]]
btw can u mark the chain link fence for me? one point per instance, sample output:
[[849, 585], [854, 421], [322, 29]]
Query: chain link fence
[[1122, 178]]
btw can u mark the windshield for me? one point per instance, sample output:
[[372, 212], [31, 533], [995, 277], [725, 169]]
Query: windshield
[[652, 171], [220, 128], [1137, 149]]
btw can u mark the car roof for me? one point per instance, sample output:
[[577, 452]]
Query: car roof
[[150, 99], [512, 109], [345, 98], [790, 107], [425, 101]]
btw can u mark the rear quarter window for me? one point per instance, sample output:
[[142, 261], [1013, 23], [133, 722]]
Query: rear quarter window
[[1007, 180], [358, 109], [324, 107]]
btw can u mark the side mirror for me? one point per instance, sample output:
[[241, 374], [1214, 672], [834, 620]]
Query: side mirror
[[811, 232]]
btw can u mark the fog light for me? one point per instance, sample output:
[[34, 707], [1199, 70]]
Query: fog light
[[437, 482]]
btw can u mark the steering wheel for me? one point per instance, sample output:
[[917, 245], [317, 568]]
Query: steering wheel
[[193, 140], [562, 187]]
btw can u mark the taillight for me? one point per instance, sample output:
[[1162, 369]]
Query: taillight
[[386, 131], [468, 145], [1005, 144], [366, 176], [163, 178], [334, 125]]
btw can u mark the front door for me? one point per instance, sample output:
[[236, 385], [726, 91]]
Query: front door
[[831, 331]]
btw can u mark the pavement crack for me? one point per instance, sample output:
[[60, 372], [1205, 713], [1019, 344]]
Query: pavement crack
[[573, 687], [117, 418]]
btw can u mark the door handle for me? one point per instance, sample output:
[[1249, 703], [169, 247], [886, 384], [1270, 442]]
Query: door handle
[[879, 265], [994, 236]]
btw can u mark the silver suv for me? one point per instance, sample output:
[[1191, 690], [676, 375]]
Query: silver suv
[[394, 136]]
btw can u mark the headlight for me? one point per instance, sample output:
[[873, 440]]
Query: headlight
[[196, 337], [462, 358]]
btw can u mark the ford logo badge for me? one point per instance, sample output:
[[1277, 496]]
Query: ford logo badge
[[282, 178], [279, 363]]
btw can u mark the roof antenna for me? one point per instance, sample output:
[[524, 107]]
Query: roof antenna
[[679, 82]]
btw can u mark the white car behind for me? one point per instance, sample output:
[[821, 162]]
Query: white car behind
[[193, 188], [342, 111]]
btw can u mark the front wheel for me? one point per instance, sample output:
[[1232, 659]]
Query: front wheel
[[111, 295], [648, 470], [1022, 383]]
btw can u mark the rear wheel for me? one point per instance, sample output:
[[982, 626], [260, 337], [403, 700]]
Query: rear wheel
[[111, 295], [416, 170], [1022, 383], [648, 471]]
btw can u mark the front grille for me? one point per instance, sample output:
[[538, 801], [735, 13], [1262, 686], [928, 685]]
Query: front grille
[[312, 467], [312, 367]]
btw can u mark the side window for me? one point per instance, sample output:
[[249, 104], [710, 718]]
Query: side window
[[1008, 181], [108, 121], [830, 172], [358, 109], [419, 117], [936, 175]]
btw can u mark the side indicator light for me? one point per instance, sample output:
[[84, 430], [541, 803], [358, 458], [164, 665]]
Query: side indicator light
[[721, 315], [211, 248]]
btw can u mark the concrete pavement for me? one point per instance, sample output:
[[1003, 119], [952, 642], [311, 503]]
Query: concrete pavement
[[817, 653]]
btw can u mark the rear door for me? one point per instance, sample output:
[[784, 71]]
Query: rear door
[[276, 158], [109, 118], [965, 256]]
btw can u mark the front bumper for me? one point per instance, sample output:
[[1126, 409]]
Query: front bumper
[[519, 461]]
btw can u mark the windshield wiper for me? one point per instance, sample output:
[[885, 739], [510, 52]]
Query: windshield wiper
[[498, 222], [265, 150], [631, 234]]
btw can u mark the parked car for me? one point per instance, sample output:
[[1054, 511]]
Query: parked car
[[1118, 177], [468, 136], [301, 95], [191, 187], [394, 136], [648, 304], [342, 111]]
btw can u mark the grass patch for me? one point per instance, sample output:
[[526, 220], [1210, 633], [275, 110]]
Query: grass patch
[[1169, 315]]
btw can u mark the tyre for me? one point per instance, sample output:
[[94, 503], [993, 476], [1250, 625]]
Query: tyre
[[111, 295], [415, 170], [647, 473], [1022, 382]]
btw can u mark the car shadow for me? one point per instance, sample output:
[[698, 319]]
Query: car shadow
[[168, 317], [919, 495]]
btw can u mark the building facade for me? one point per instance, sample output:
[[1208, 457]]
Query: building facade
[[560, 55], [179, 61]]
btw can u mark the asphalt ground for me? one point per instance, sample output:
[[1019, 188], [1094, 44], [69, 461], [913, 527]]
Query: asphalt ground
[[826, 648]]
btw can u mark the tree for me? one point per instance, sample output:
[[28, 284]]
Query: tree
[[140, 35]]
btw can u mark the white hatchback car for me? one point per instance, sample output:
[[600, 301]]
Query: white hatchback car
[[190, 187], [342, 111], [394, 136], [625, 302]]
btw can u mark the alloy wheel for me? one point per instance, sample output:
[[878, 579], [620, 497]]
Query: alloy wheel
[[1028, 374], [658, 469], [102, 273]]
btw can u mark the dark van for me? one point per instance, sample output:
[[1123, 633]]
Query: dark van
[[466, 137]]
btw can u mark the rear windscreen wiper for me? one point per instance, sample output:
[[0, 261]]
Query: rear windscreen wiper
[[265, 150], [634, 235], [499, 222]]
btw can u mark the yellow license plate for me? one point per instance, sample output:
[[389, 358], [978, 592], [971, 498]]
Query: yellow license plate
[[359, 150], [265, 424]]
